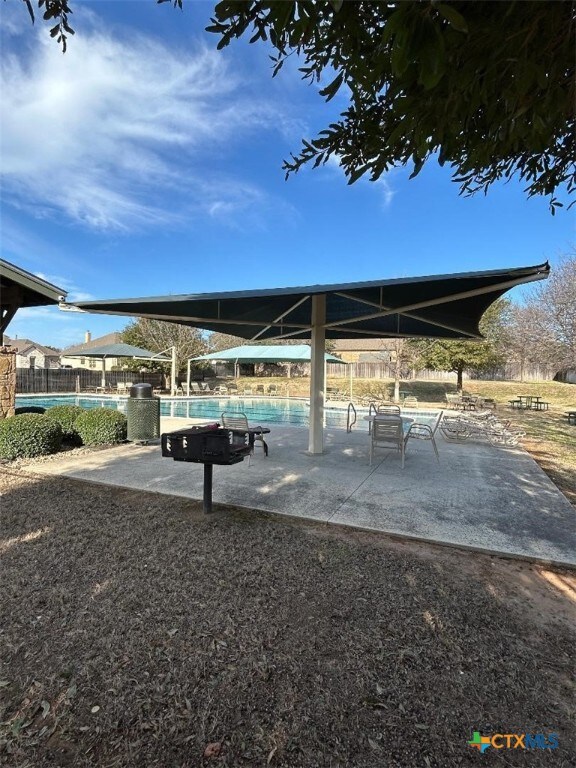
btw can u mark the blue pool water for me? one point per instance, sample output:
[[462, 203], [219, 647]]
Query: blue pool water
[[258, 410]]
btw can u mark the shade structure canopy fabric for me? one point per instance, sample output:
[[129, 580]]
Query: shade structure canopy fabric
[[439, 306], [446, 306], [251, 353], [119, 350], [19, 288]]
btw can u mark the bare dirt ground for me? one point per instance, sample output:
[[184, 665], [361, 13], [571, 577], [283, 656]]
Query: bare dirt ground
[[135, 632]]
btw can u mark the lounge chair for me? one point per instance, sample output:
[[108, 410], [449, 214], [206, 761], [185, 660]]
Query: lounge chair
[[196, 389], [123, 387], [237, 423], [387, 432]]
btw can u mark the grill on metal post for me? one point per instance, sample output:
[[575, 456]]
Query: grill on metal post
[[207, 444], [143, 414]]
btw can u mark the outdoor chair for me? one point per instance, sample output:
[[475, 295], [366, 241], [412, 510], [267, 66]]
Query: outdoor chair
[[454, 401], [247, 391], [237, 423], [122, 387], [195, 388], [387, 432], [205, 388], [382, 408], [425, 432], [273, 390], [410, 402], [260, 389]]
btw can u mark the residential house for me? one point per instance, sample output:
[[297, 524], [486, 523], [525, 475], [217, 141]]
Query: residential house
[[365, 350], [30, 354]]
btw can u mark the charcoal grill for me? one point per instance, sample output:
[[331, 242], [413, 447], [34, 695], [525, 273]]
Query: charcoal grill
[[208, 444]]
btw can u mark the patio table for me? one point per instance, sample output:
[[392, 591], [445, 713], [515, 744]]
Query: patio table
[[407, 421]]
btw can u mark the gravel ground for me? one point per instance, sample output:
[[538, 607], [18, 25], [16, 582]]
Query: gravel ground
[[135, 632]]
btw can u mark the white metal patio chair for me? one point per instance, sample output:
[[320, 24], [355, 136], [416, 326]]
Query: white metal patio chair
[[425, 432], [387, 432]]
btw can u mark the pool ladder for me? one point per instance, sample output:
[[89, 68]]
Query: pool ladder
[[349, 420]]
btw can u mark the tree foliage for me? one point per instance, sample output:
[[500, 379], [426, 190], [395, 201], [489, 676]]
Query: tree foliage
[[158, 336], [543, 328], [474, 356], [486, 88]]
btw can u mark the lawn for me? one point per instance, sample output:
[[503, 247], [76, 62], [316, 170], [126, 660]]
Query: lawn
[[136, 632]]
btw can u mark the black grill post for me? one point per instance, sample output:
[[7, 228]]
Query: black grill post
[[207, 501]]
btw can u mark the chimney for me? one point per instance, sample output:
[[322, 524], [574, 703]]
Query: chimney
[[87, 337]]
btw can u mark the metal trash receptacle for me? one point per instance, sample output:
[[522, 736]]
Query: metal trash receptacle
[[143, 414]]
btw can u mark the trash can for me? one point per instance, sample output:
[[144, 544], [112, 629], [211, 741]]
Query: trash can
[[143, 414]]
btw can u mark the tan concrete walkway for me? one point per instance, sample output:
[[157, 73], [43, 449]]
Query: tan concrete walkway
[[479, 496]]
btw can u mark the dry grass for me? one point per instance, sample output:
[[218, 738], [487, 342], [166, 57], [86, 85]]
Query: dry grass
[[135, 632]]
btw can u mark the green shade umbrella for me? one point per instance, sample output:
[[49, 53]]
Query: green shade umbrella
[[119, 350]]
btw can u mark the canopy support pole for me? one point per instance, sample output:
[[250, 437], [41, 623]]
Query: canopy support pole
[[317, 375], [173, 373], [103, 379]]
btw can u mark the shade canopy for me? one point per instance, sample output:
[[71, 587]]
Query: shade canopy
[[446, 306], [251, 353], [119, 350], [437, 306], [19, 288]]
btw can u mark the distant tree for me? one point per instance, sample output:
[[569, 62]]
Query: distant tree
[[157, 336], [487, 88], [548, 317], [473, 356]]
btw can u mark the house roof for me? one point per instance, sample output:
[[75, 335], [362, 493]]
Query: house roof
[[362, 345], [23, 345], [79, 349]]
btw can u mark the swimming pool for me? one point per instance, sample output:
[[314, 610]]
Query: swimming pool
[[258, 410]]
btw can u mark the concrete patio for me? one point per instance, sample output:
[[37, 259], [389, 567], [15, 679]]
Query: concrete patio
[[480, 497]]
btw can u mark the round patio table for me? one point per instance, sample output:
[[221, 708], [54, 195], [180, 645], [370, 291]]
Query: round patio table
[[407, 421]]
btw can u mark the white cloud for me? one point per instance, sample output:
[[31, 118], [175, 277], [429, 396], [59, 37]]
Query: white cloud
[[114, 134], [383, 184]]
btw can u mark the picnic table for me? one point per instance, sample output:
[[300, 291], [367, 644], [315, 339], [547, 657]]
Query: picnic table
[[530, 402]]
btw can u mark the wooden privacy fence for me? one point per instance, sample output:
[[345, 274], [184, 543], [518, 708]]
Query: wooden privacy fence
[[385, 371], [35, 380]]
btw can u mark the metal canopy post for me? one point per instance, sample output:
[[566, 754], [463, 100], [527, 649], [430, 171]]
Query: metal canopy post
[[317, 376]]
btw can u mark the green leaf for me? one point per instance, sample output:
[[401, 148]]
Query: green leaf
[[451, 15]]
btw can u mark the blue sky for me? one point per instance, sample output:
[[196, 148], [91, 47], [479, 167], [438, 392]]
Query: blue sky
[[144, 162]]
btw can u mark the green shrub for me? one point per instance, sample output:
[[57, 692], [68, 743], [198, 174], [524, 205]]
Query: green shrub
[[101, 426], [29, 409], [29, 435], [66, 416]]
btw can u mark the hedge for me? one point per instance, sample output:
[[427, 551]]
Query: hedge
[[29, 435], [66, 416], [101, 426]]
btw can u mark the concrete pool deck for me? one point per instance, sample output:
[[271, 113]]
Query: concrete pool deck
[[480, 497]]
